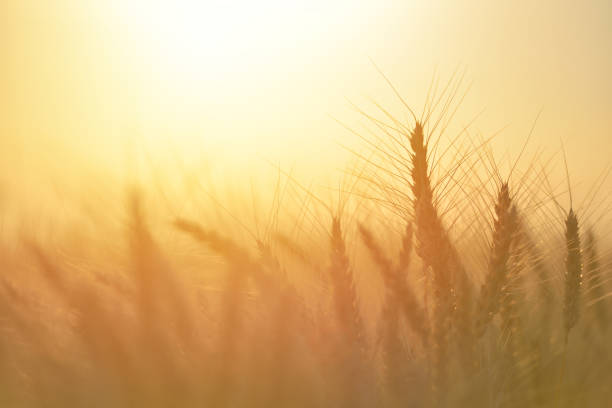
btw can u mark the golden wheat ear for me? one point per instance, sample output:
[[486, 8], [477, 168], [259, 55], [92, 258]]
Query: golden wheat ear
[[345, 295], [399, 296], [435, 250], [504, 229], [573, 273]]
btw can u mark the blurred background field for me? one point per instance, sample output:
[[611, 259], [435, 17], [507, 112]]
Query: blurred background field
[[214, 205]]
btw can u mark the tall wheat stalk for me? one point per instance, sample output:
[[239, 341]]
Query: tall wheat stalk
[[434, 248], [504, 229], [573, 273]]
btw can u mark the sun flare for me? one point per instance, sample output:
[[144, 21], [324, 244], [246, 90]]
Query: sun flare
[[193, 67], [209, 38]]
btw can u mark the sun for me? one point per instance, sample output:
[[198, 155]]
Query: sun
[[212, 71], [211, 37]]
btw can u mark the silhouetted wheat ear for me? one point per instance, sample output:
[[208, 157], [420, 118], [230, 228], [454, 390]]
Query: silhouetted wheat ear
[[352, 363], [225, 247], [433, 247], [345, 297], [573, 273], [504, 229], [398, 294], [520, 360], [510, 298], [432, 243]]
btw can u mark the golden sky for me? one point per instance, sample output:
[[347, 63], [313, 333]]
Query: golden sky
[[86, 81]]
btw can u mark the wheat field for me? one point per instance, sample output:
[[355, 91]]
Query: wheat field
[[323, 203], [436, 277]]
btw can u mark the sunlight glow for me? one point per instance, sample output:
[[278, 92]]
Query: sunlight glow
[[210, 69], [210, 37]]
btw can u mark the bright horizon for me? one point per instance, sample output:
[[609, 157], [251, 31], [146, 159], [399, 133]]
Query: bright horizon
[[239, 87]]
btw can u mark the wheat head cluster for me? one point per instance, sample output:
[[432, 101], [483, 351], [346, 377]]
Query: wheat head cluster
[[439, 278]]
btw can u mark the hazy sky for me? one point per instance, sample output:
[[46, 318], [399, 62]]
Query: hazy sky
[[87, 80]]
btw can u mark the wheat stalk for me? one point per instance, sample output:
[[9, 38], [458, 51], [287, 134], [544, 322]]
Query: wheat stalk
[[573, 273], [504, 229]]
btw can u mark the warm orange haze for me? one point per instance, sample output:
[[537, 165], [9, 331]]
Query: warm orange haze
[[300, 204]]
